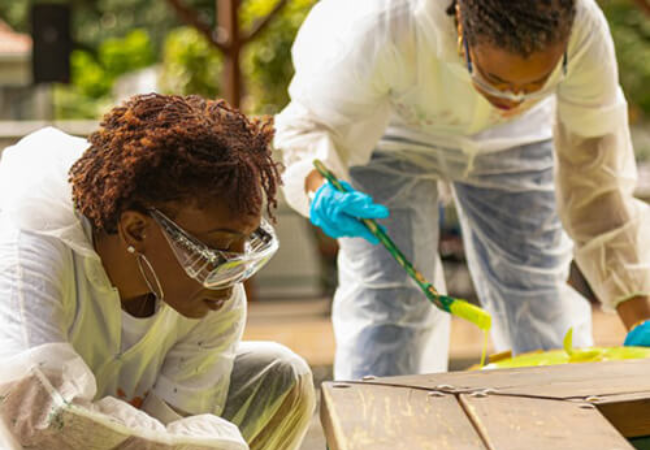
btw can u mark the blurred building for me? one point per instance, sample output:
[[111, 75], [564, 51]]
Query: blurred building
[[19, 98]]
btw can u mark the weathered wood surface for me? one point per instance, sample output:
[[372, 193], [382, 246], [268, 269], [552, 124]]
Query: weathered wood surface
[[517, 423], [387, 418], [629, 413], [575, 406], [562, 381]]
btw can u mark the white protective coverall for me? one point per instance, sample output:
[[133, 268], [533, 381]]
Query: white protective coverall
[[76, 371], [383, 98]]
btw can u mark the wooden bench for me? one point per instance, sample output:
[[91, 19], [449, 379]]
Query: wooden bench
[[574, 406]]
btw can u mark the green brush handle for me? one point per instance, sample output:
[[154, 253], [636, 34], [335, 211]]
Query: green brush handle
[[455, 306]]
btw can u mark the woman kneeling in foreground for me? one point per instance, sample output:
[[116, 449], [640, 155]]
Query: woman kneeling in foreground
[[121, 301]]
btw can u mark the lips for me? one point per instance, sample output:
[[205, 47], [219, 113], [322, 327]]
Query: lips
[[505, 107]]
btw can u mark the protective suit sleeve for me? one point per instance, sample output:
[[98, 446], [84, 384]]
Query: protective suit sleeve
[[47, 395], [596, 172], [196, 372], [345, 65], [35, 276]]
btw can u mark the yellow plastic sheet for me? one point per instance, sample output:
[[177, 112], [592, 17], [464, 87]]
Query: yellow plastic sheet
[[570, 355]]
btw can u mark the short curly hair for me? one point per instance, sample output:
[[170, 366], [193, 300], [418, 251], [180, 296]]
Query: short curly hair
[[155, 149], [522, 27]]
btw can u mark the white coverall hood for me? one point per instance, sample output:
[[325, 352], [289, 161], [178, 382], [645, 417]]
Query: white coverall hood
[[32, 193]]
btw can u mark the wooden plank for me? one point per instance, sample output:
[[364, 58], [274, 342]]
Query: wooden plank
[[516, 423], [629, 413], [562, 381], [361, 416], [588, 386]]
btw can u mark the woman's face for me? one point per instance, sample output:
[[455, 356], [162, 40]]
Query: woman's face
[[214, 225], [506, 71]]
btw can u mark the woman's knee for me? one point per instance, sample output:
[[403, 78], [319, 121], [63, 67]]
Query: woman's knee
[[297, 378], [283, 369]]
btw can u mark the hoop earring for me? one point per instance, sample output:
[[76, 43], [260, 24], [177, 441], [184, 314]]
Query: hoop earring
[[459, 29], [140, 257]]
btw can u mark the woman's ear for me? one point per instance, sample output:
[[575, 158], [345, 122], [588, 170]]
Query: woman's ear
[[133, 228]]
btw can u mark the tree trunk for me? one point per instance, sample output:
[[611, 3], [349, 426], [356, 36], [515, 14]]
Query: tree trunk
[[227, 21]]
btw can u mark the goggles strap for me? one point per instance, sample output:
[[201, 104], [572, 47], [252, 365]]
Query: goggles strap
[[143, 259]]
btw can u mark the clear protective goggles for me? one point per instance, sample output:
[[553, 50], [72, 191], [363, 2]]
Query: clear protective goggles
[[517, 97], [213, 268]]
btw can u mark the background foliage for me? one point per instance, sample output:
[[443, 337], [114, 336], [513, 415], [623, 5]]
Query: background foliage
[[120, 36], [191, 65], [631, 32], [93, 74]]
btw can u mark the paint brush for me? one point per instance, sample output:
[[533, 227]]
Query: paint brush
[[457, 307]]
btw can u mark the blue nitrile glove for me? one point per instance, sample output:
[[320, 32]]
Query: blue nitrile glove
[[337, 213], [639, 336]]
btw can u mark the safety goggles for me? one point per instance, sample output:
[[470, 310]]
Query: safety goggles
[[217, 269], [517, 97]]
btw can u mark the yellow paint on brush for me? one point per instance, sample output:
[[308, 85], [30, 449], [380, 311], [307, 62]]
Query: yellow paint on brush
[[472, 313], [485, 344], [478, 317]]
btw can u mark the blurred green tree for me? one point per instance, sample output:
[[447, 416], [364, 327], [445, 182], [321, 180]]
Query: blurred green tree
[[266, 61], [97, 20], [234, 33], [631, 32], [16, 15], [93, 75], [192, 66]]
